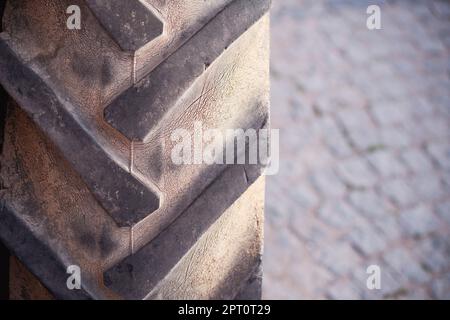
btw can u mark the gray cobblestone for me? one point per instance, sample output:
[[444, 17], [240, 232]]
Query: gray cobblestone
[[300, 110], [422, 108], [441, 9], [391, 113], [395, 137], [415, 293], [441, 287], [356, 173], [441, 154], [312, 232], [359, 128], [416, 160], [318, 275], [344, 97], [434, 252], [354, 118], [279, 287], [276, 216], [338, 213], [389, 227], [405, 265], [364, 139], [418, 221], [327, 184], [280, 252], [335, 139], [387, 164], [370, 203], [400, 191], [417, 132], [365, 160], [305, 197], [432, 47], [443, 210], [331, 257], [344, 290], [428, 187], [446, 180], [367, 240], [438, 128], [390, 282]]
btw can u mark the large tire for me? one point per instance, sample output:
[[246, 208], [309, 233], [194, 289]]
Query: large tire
[[87, 176]]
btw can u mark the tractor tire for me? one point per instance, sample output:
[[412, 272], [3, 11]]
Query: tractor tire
[[87, 175]]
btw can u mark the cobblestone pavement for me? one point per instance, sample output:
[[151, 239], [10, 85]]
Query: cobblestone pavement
[[364, 120]]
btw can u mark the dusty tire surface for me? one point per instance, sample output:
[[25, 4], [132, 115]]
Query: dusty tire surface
[[87, 177]]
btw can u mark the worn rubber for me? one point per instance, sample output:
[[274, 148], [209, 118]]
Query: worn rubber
[[86, 170]]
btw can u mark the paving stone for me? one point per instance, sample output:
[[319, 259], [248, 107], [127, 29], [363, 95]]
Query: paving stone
[[395, 137], [339, 214], [367, 240], [400, 191], [422, 107], [370, 203], [280, 93], [344, 290], [405, 265], [387, 164], [277, 215], [441, 8], [279, 252], [446, 180], [304, 197], [311, 231], [334, 138], [418, 221], [281, 288], [438, 128], [315, 277], [344, 96], [406, 68], [441, 101], [432, 47], [365, 119], [441, 154], [389, 227], [428, 187], [417, 133], [359, 128], [383, 71], [365, 139], [327, 183], [417, 160], [414, 293], [391, 113], [300, 109], [441, 287], [443, 210], [434, 252], [390, 282], [356, 173], [339, 257]]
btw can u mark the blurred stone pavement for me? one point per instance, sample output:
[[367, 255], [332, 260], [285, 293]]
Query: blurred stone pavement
[[364, 119]]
